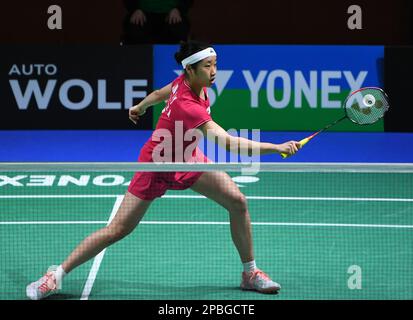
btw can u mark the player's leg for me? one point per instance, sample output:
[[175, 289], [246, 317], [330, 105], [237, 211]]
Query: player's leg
[[219, 187], [130, 212]]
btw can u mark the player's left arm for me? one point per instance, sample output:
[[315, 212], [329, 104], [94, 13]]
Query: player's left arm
[[153, 98], [215, 132]]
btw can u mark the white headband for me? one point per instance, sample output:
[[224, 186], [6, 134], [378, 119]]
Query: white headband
[[200, 55]]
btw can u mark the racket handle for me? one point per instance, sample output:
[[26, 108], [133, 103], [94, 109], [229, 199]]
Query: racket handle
[[302, 143]]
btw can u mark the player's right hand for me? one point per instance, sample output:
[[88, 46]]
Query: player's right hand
[[134, 114], [289, 148]]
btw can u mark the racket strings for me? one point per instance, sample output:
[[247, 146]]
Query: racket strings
[[366, 106]]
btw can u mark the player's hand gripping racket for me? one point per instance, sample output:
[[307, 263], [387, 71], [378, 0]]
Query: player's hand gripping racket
[[364, 106]]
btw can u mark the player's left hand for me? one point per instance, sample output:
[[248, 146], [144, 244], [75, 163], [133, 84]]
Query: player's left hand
[[134, 114]]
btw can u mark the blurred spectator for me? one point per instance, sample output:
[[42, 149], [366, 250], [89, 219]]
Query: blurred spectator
[[156, 21]]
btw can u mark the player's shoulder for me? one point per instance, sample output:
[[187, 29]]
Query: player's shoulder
[[177, 83], [183, 93]]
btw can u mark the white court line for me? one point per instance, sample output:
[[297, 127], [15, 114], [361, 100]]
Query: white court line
[[58, 196], [301, 198], [285, 224], [98, 259], [203, 197], [50, 222], [293, 224]]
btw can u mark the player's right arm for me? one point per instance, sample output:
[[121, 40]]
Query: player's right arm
[[153, 98]]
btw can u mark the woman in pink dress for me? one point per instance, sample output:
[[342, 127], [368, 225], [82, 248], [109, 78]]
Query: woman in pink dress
[[187, 109]]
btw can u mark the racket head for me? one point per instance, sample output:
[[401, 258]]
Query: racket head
[[366, 105]]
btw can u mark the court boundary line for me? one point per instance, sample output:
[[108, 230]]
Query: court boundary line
[[292, 224], [98, 259], [51, 222], [203, 197]]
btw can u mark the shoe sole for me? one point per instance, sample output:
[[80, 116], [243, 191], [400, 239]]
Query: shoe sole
[[265, 291]]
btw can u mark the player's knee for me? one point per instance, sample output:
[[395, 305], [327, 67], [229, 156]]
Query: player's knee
[[238, 203], [116, 233]]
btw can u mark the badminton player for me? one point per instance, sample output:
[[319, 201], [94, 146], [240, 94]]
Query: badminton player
[[187, 106]]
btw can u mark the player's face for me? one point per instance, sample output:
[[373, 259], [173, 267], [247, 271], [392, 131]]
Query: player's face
[[206, 71]]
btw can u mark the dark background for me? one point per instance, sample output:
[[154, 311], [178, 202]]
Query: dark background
[[385, 22], [399, 86], [86, 62], [97, 22]]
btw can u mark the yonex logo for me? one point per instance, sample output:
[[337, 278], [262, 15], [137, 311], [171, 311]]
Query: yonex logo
[[295, 86], [112, 180]]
